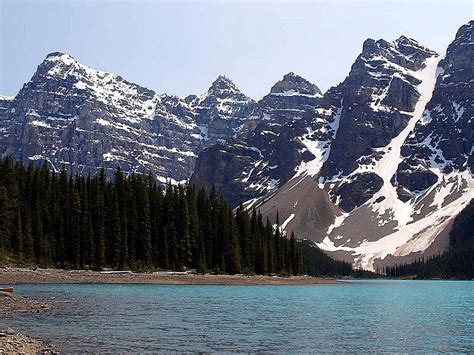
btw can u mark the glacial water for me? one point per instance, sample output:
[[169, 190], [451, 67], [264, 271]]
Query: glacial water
[[361, 316]]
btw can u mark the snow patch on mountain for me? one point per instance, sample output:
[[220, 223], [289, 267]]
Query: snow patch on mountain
[[108, 88], [412, 237], [320, 149], [387, 166], [288, 220]]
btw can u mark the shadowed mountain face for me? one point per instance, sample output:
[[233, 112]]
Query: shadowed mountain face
[[442, 140], [258, 161], [373, 170], [378, 168]]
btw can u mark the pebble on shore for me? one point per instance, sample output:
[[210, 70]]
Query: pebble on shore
[[11, 343], [13, 303]]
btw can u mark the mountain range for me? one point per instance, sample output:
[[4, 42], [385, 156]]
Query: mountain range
[[374, 170]]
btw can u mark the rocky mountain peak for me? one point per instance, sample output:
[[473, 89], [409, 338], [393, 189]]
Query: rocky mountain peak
[[57, 63], [409, 47], [56, 54], [404, 52], [463, 39], [223, 86], [406, 41], [293, 84], [465, 31], [223, 101]]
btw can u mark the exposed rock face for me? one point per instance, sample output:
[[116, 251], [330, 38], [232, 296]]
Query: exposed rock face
[[375, 169], [296, 135], [83, 119], [224, 109], [358, 191], [442, 141], [379, 166], [379, 98], [5, 120], [260, 160], [400, 166]]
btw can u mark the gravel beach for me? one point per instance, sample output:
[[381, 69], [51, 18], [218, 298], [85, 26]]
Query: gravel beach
[[12, 276], [12, 342]]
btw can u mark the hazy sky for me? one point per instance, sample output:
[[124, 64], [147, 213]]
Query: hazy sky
[[180, 47]]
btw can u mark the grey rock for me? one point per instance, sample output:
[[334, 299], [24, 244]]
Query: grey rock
[[444, 137], [82, 119]]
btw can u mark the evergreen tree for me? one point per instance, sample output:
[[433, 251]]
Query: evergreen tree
[[57, 220]]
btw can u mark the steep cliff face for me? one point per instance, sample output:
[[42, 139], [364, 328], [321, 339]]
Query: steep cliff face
[[379, 98], [298, 130], [377, 169], [83, 119], [399, 167], [224, 110], [258, 161], [5, 121], [441, 142]]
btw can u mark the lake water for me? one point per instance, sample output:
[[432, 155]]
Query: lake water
[[392, 316]]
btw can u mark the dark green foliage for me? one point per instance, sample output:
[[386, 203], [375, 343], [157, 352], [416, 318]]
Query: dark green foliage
[[316, 263], [456, 263], [55, 220]]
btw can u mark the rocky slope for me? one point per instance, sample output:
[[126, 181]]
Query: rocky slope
[[398, 169], [379, 167]]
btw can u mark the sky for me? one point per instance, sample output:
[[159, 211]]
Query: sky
[[180, 47]]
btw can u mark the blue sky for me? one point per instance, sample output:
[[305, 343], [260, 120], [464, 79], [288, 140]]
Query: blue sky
[[180, 47]]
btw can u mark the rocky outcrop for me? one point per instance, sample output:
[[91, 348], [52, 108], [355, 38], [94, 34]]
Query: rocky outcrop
[[379, 97], [442, 140], [297, 132], [259, 161], [400, 166], [83, 119], [224, 110]]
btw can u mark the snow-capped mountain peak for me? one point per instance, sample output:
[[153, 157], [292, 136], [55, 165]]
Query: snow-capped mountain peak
[[370, 170], [132, 101], [374, 170]]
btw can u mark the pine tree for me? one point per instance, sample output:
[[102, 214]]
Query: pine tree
[[68, 221]]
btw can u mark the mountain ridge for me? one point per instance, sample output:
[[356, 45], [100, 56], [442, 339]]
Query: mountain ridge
[[357, 207], [371, 169]]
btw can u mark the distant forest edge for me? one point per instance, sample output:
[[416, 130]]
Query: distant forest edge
[[456, 263], [56, 220]]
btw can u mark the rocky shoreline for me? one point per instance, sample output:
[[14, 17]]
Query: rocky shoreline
[[13, 276], [22, 344], [15, 343], [14, 303]]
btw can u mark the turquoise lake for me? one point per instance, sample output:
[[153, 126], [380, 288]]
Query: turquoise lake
[[360, 316]]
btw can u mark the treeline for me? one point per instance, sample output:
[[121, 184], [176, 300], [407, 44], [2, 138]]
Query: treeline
[[55, 220], [316, 263], [456, 263]]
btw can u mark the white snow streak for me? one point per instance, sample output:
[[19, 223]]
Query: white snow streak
[[416, 236], [320, 149], [288, 220], [387, 166]]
